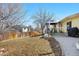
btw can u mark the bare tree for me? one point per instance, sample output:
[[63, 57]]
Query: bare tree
[[42, 17], [10, 15]]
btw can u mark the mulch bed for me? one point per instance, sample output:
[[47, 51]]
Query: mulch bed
[[55, 46]]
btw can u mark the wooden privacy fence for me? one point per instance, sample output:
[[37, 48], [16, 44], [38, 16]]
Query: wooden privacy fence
[[31, 34], [16, 34], [10, 35]]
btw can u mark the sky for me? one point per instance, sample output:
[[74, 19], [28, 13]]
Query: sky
[[60, 10]]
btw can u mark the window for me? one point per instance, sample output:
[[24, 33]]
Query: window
[[69, 24]]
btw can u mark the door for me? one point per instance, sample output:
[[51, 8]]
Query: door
[[69, 24]]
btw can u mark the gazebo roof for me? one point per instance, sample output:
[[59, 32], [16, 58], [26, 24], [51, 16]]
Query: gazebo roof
[[52, 22]]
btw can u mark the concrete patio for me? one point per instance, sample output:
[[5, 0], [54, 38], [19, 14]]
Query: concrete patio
[[67, 44]]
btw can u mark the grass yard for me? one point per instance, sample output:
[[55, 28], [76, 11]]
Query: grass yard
[[28, 46]]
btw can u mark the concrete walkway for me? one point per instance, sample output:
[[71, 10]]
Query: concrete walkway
[[67, 44]]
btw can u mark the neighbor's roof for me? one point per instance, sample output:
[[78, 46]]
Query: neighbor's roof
[[70, 17]]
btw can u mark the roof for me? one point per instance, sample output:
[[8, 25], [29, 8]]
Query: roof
[[71, 17], [52, 21]]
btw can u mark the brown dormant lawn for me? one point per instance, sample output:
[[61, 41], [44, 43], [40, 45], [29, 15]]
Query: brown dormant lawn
[[27, 46]]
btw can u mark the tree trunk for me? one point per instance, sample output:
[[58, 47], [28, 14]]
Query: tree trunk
[[42, 31]]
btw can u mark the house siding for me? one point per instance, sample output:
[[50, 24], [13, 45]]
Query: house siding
[[61, 26], [75, 23]]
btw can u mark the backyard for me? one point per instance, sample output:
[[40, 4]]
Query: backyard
[[39, 29]]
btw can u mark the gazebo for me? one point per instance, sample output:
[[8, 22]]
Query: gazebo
[[52, 25]]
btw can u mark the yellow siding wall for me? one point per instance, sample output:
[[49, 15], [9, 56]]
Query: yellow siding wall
[[75, 23]]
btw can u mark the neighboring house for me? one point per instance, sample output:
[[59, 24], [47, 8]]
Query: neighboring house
[[25, 29], [61, 26], [18, 27]]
